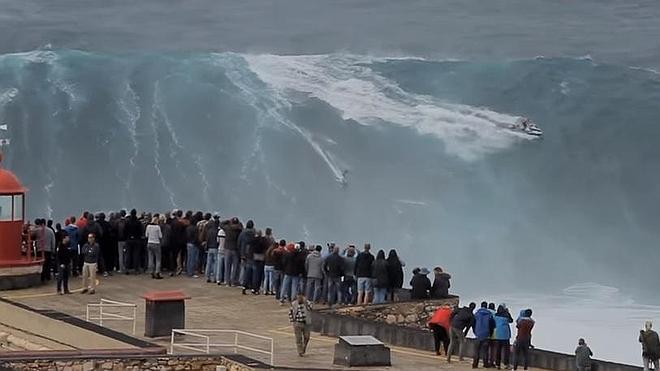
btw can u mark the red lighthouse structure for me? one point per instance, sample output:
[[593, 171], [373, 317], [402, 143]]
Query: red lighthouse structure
[[20, 263]]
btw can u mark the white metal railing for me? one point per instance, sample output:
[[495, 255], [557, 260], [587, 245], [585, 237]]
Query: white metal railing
[[104, 315], [206, 344]]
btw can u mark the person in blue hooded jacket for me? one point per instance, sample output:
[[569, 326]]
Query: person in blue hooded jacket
[[502, 336], [484, 324]]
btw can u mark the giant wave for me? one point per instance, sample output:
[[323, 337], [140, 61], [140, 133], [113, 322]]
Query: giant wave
[[426, 167]]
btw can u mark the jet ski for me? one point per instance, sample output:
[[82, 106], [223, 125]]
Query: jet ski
[[526, 126]]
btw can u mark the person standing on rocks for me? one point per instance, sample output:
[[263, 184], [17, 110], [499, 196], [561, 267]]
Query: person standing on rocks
[[420, 285], [650, 346], [363, 271], [90, 252], [299, 315]]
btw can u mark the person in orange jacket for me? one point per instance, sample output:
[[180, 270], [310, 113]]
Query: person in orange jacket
[[440, 324]]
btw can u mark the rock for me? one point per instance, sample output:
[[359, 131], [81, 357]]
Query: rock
[[411, 318], [391, 319], [88, 366], [107, 366], [400, 318], [67, 368], [179, 368]]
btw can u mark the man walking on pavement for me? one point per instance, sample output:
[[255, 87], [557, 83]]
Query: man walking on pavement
[[299, 315]]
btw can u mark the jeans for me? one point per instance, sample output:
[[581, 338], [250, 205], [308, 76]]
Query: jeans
[[457, 338], [191, 259], [480, 351], [211, 265], [248, 268], [521, 350], [63, 278], [89, 276], [289, 287], [153, 249], [220, 267], [277, 283], [121, 252], [257, 274], [231, 266], [268, 285], [648, 361], [314, 289], [379, 295], [334, 292], [502, 347], [134, 250]]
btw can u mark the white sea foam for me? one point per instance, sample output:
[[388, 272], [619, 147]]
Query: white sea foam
[[271, 105], [348, 84]]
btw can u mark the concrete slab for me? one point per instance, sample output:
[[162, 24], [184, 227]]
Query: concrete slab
[[218, 307]]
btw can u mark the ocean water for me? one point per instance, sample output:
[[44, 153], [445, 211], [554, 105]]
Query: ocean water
[[363, 122]]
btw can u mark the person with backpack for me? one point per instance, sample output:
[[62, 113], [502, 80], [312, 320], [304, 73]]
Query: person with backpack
[[461, 321], [381, 278]]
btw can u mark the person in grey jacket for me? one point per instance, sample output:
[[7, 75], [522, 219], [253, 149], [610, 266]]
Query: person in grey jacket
[[314, 269], [90, 254]]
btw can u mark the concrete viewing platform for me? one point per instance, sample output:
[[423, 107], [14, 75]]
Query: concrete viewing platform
[[210, 307]]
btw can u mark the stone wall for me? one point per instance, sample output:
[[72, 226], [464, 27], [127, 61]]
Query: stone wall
[[155, 364], [413, 314]]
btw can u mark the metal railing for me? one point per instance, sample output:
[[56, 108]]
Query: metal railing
[[206, 344], [104, 315]]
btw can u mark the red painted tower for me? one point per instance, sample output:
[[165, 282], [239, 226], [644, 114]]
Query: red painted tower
[[20, 264]]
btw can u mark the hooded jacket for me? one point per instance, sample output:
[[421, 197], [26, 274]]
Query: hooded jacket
[[442, 317], [395, 273], [313, 265], [484, 324], [583, 356], [246, 242], [502, 327], [232, 231], [441, 286], [650, 344]]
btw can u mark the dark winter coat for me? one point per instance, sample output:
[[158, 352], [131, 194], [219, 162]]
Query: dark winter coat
[[364, 265], [232, 231], [440, 289], [462, 319], [333, 266], [395, 273], [380, 274], [421, 285]]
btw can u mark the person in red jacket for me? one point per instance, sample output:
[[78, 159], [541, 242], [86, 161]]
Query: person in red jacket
[[440, 324]]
